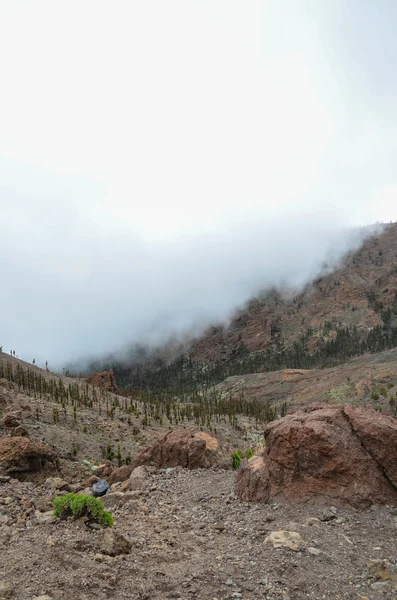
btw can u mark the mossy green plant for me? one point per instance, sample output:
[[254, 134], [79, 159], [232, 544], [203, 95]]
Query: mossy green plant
[[75, 505]]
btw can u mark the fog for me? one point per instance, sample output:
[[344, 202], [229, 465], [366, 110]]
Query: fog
[[160, 162], [71, 291]]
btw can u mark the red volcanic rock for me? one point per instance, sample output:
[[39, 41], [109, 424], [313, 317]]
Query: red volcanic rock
[[12, 420], [184, 447], [325, 454], [105, 379], [119, 474], [21, 454]]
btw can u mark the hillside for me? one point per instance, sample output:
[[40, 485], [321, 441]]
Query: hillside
[[347, 312]]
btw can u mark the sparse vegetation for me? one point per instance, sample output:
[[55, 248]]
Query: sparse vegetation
[[76, 506]]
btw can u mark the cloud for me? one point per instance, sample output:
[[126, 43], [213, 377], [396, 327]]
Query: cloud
[[162, 161], [71, 290]]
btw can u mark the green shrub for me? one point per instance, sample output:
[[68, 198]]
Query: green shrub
[[249, 453], [236, 459], [74, 505], [375, 396]]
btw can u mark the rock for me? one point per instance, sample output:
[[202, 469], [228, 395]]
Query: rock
[[93, 479], [6, 589], [138, 478], [114, 500], [12, 420], [20, 430], [314, 551], [313, 522], [56, 483], [114, 543], [21, 454], [104, 471], [106, 380], [384, 570], [328, 514], [45, 597], [286, 539], [184, 447], [4, 478], [382, 587], [46, 517], [120, 474], [325, 452], [100, 488]]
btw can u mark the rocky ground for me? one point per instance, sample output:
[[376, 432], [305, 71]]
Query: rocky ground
[[190, 538]]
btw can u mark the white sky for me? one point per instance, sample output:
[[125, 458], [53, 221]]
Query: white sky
[[172, 116], [175, 118]]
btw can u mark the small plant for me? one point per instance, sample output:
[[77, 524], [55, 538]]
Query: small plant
[[74, 505], [249, 453], [236, 459], [375, 396]]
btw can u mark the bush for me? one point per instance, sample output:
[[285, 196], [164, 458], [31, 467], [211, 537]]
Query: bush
[[236, 459], [74, 505], [249, 453]]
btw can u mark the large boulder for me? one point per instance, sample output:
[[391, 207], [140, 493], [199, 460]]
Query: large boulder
[[21, 454], [184, 447], [106, 380], [325, 454]]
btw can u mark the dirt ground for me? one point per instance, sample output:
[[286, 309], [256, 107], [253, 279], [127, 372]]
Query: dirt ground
[[191, 539]]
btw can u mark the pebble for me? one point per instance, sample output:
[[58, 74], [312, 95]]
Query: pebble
[[6, 589], [229, 582]]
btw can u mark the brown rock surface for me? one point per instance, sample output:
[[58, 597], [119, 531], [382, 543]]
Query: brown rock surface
[[184, 447], [105, 379], [21, 454], [325, 454]]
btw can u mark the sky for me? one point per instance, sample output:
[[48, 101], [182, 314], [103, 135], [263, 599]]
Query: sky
[[161, 161]]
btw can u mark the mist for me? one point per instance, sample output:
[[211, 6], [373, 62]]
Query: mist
[[73, 292], [177, 157]]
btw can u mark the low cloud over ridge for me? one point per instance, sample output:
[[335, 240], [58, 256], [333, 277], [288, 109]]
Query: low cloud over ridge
[[72, 291]]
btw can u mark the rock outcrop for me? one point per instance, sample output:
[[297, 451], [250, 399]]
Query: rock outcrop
[[325, 454], [106, 380], [184, 447], [20, 454]]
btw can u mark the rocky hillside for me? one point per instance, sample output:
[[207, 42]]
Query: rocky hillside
[[347, 312], [357, 294]]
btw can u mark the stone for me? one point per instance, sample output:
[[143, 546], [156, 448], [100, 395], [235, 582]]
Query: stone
[[343, 454], [185, 447], [314, 551], [115, 543], [106, 380], [138, 478], [21, 454], [56, 483], [44, 597], [313, 522], [120, 474], [384, 570], [114, 500], [12, 420], [286, 539], [6, 589], [45, 517], [100, 488]]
